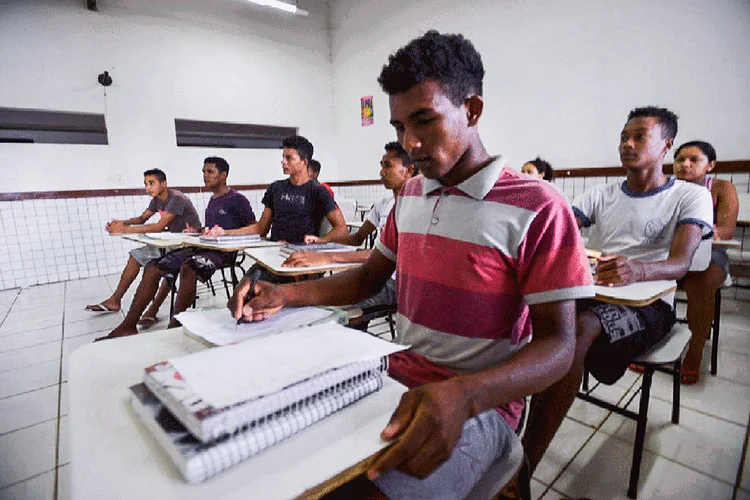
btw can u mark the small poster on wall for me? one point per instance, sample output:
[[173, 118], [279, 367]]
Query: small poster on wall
[[367, 116]]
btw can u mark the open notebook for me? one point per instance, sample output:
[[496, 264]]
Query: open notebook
[[256, 393], [216, 327]]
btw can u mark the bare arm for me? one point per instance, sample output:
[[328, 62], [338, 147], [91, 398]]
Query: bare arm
[[122, 226], [616, 270], [306, 259], [429, 419], [727, 210], [355, 239], [348, 287], [261, 227], [156, 227]]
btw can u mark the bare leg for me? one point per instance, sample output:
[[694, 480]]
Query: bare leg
[[185, 293], [549, 407], [145, 293], [700, 288], [159, 299], [129, 274]]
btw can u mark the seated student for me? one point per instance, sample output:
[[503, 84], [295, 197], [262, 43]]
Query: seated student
[[667, 218], [538, 168], [227, 208], [294, 207], [474, 244], [692, 161], [313, 170], [176, 211], [396, 168]]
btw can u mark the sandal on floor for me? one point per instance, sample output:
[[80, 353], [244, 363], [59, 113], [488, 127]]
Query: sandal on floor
[[636, 368], [147, 321], [101, 308], [690, 377]]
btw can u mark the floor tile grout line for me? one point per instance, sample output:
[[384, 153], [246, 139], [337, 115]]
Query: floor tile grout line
[[24, 480], [28, 392], [45, 421], [726, 420], [743, 458], [11, 307], [59, 399]]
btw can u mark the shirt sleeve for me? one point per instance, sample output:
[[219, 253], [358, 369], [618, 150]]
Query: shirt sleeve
[[387, 244], [552, 263], [584, 207], [245, 214], [325, 199], [268, 197], [697, 207]]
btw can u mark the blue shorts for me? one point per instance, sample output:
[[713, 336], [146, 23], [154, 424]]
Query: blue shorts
[[485, 440]]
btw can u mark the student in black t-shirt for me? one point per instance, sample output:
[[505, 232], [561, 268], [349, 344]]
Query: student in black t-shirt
[[295, 207]]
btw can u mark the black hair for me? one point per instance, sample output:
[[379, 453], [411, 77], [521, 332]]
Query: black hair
[[543, 167], [667, 119], [303, 147], [221, 164], [159, 174], [451, 60], [398, 149], [705, 147], [314, 165]]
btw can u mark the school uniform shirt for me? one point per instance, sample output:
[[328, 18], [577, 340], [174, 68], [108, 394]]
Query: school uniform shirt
[[641, 226], [178, 204], [229, 211], [297, 210], [471, 259]]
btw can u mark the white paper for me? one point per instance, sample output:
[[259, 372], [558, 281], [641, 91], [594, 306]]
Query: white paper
[[218, 327], [635, 291], [169, 236], [273, 258], [232, 374]]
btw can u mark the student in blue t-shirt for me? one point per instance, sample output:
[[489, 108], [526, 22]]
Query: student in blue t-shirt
[[226, 208]]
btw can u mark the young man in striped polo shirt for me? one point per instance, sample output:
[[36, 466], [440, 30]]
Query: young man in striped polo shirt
[[484, 256]]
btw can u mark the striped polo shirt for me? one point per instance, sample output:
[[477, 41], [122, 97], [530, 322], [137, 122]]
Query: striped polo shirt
[[471, 259]]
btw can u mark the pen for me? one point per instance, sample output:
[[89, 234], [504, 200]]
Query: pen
[[251, 294]]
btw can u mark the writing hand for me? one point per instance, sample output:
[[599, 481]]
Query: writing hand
[[428, 422], [306, 259], [189, 229], [268, 301], [310, 238], [616, 270], [216, 231]]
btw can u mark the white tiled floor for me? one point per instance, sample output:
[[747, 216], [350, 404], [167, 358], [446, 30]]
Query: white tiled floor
[[590, 456]]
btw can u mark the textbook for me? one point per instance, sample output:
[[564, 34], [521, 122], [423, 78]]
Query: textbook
[[208, 423], [231, 239], [216, 327], [198, 461], [318, 247]]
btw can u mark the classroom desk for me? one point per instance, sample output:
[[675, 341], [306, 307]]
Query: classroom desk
[[636, 294], [271, 259], [113, 456]]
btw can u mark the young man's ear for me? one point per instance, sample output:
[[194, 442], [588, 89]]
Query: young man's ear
[[669, 144], [711, 166], [474, 108]]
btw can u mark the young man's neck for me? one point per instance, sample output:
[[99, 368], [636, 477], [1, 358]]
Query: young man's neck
[[647, 179], [474, 159], [299, 179], [163, 195], [220, 191]]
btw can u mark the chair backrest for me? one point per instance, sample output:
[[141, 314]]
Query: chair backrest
[[348, 207], [744, 199]]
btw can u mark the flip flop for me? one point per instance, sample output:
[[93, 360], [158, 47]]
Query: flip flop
[[636, 368], [101, 308], [147, 321]]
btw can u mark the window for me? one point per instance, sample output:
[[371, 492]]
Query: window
[[196, 133], [53, 127]]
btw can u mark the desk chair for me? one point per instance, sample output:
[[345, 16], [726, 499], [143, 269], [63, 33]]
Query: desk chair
[[667, 352]]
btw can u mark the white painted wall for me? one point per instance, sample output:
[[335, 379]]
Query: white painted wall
[[560, 76], [222, 60]]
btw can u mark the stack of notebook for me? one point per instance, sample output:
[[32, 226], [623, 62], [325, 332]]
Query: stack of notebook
[[318, 247], [231, 239], [215, 408]]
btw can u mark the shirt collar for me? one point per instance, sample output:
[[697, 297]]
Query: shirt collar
[[477, 186]]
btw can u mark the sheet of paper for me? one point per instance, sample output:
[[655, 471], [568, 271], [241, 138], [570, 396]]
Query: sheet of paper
[[218, 327], [232, 374], [274, 258], [169, 236], [635, 291]]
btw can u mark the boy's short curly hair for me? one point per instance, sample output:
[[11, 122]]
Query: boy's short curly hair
[[300, 144], [667, 119], [451, 60]]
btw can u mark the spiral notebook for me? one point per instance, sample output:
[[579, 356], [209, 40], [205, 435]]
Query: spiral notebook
[[198, 461], [207, 422]]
